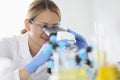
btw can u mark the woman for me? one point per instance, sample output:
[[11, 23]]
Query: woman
[[25, 53]]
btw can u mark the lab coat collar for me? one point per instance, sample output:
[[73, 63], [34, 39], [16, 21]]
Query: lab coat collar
[[24, 48]]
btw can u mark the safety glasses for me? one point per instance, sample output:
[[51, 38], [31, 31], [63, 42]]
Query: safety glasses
[[53, 29]]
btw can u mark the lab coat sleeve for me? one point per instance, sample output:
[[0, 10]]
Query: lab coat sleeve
[[7, 71], [11, 76]]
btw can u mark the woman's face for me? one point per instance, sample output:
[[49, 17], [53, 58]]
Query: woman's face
[[36, 33]]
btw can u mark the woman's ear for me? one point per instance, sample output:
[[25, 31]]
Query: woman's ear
[[27, 25]]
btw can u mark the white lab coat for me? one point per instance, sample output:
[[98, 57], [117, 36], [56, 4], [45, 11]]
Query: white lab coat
[[14, 53]]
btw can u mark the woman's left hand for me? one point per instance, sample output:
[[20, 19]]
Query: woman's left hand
[[80, 40]]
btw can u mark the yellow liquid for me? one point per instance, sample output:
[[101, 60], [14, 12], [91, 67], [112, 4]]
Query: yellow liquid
[[108, 72], [76, 74]]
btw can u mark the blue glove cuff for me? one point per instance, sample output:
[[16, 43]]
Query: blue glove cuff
[[41, 57]]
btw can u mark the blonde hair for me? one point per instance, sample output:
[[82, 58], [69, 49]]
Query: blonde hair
[[37, 6]]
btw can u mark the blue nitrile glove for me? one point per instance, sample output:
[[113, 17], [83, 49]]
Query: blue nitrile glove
[[80, 41], [41, 57]]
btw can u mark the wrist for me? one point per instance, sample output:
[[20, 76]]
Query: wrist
[[23, 74]]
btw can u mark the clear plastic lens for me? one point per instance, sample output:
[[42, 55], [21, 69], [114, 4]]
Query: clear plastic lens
[[48, 30]]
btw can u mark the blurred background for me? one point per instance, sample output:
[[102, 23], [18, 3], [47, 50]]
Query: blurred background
[[93, 19]]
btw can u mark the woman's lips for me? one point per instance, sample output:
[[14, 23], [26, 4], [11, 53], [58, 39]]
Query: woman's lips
[[45, 37]]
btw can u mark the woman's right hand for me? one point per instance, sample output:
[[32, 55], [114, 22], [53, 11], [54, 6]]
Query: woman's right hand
[[31, 66], [42, 56]]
